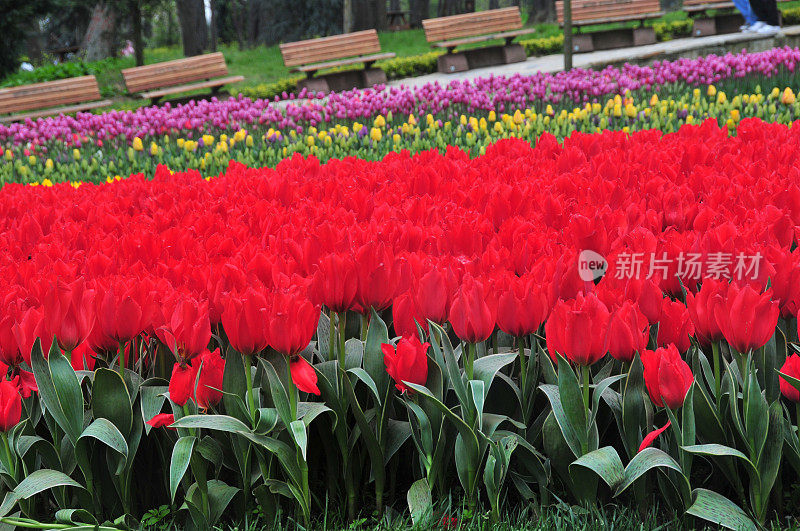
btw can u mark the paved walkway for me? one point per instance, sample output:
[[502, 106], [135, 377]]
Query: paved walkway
[[662, 50], [689, 47]]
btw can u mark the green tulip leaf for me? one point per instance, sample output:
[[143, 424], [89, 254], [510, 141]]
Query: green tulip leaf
[[420, 502], [377, 335], [718, 509], [604, 462], [487, 367], [179, 464], [110, 400], [644, 461]]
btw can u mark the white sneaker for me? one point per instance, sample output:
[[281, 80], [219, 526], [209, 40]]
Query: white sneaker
[[744, 28], [766, 29], [757, 26]]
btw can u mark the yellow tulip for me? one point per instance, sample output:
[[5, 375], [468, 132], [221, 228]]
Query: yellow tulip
[[76, 154], [380, 121], [787, 98], [375, 134], [712, 91], [137, 144]]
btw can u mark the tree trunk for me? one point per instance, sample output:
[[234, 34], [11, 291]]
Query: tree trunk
[[212, 36], [135, 12], [542, 11], [347, 16], [494, 4], [98, 42], [194, 29], [380, 15], [420, 10]]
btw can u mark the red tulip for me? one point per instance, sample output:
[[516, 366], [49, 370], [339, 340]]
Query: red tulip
[[432, 297], [335, 283], [746, 317], [26, 383], [405, 316], [666, 376], [162, 420], [523, 305], [473, 311], [69, 313], [187, 331], [576, 329], [791, 367], [209, 383], [379, 276], [82, 358], [29, 326], [245, 319], [628, 332], [303, 375], [119, 314], [10, 405], [291, 322], [701, 310], [675, 326], [652, 436], [408, 362], [182, 383]]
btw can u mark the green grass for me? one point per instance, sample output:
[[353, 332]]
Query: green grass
[[561, 517]]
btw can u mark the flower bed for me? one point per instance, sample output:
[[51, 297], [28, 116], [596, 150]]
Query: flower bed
[[49, 163], [534, 355], [500, 94]]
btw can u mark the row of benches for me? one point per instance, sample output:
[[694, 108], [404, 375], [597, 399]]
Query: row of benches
[[363, 48]]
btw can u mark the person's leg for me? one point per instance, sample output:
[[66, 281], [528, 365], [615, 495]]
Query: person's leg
[[757, 7], [771, 12], [746, 10]]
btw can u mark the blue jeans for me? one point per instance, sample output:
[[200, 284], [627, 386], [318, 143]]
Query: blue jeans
[[747, 12]]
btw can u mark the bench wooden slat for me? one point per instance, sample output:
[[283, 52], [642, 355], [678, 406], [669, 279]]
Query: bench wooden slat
[[587, 12], [218, 82], [472, 24], [56, 111], [49, 94], [345, 62], [173, 73], [330, 48], [481, 38]]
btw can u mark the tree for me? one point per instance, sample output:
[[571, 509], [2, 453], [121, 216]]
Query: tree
[[420, 10], [15, 20], [194, 28]]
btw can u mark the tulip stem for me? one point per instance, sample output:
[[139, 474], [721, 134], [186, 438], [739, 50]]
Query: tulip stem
[[121, 360], [342, 337], [364, 326], [248, 375], [12, 467], [717, 370], [331, 336], [292, 391], [585, 374], [797, 414], [469, 360]]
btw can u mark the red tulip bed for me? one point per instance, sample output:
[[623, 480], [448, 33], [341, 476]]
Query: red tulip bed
[[611, 319]]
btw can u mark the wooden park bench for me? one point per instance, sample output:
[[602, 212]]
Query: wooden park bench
[[594, 12], [181, 75], [458, 30], [313, 55], [712, 17], [50, 98], [725, 18]]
